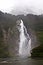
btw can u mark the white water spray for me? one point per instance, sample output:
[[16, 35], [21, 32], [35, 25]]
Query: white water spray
[[25, 41]]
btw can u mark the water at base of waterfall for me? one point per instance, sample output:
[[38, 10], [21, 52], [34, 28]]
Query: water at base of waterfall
[[27, 61]]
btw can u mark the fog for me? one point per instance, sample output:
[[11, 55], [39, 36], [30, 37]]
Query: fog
[[17, 7]]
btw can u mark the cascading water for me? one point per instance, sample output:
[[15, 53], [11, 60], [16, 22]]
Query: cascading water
[[25, 41]]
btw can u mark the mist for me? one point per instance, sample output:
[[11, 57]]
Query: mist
[[28, 7], [18, 7]]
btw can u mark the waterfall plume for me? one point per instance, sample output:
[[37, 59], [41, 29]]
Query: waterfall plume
[[25, 41]]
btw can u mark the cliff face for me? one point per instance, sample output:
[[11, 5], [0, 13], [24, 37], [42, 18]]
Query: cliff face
[[9, 35]]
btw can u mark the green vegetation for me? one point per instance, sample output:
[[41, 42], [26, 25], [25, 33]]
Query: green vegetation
[[3, 50], [3, 47], [40, 36], [38, 51]]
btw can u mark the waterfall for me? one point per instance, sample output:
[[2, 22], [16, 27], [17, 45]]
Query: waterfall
[[25, 41]]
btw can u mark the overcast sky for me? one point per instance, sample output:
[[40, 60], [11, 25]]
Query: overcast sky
[[16, 7]]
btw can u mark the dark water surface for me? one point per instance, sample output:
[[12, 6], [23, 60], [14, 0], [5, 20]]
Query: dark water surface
[[27, 61]]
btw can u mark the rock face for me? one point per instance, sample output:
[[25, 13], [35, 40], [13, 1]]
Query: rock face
[[9, 33]]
